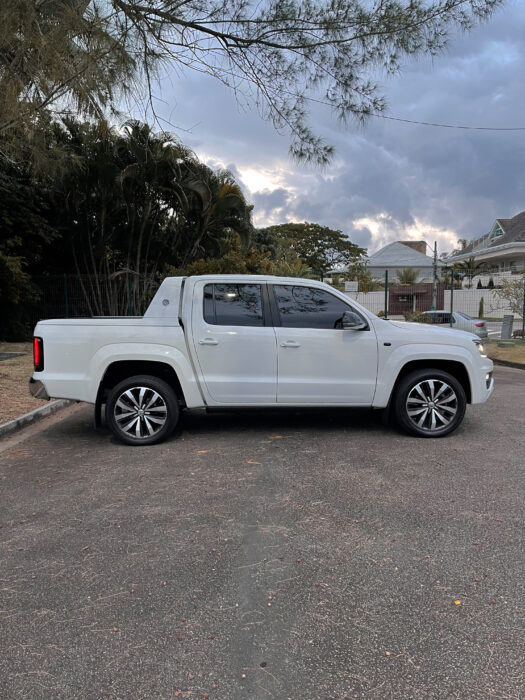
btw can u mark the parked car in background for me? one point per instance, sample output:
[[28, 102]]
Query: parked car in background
[[460, 321]]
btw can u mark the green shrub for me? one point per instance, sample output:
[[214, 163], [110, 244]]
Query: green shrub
[[417, 317]]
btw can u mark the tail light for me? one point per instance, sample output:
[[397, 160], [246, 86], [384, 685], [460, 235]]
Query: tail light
[[479, 325], [38, 354]]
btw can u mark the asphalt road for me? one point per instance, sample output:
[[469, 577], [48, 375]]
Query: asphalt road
[[257, 555]]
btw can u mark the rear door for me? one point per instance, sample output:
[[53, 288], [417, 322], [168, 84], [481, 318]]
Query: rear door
[[318, 361], [463, 322], [234, 342]]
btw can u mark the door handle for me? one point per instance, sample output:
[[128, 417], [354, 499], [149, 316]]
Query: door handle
[[208, 341], [290, 344]]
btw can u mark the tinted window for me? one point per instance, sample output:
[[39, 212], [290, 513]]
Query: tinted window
[[233, 304], [440, 317], [460, 313], [307, 307]]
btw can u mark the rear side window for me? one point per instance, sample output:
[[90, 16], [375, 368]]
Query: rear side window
[[233, 305], [309, 307], [440, 318]]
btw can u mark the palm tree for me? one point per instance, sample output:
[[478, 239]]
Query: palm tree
[[217, 211], [407, 276], [468, 267], [153, 186], [120, 208], [132, 202]]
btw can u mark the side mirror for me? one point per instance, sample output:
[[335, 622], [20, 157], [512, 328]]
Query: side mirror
[[352, 321]]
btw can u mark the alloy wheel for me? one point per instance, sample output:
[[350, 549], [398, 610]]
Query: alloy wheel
[[432, 405], [140, 412]]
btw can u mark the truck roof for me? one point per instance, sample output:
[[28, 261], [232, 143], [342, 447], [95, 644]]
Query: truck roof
[[169, 293]]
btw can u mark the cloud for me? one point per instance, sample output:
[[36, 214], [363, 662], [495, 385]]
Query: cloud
[[390, 180]]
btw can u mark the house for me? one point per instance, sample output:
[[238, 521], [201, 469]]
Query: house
[[500, 252], [414, 297], [397, 256]]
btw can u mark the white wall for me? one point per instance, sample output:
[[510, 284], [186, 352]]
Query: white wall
[[467, 300], [373, 301]]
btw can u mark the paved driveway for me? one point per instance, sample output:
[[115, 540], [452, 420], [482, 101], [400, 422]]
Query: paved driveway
[[299, 555]]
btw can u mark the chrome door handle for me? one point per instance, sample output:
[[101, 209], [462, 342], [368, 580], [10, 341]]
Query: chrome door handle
[[208, 341], [290, 344]]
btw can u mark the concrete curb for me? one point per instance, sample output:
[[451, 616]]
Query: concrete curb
[[508, 363], [20, 422]]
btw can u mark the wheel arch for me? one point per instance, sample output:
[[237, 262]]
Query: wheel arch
[[119, 370], [453, 367]]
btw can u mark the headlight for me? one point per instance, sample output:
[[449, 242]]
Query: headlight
[[480, 348]]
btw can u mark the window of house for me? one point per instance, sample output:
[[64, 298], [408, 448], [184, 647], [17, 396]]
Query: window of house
[[496, 232], [233, 305]]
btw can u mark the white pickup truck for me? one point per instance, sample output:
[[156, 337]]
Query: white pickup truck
[[251, 340]]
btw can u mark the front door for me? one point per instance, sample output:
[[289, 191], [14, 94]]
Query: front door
[[318, 361], [234, 343]]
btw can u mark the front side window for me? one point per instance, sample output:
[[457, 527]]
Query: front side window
[[308, 307], [233, 305]]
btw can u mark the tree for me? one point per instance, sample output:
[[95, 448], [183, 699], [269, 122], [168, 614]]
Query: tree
[[60, 54], [112, 208], [24, 235], [133, 201], [510, 295], [277, 54], [468, 267], [252, 260], [407, 276], [215, 210], [285, 260], [322, 249], [366, 283]]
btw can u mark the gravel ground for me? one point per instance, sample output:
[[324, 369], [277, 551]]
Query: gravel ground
[[516, 353], [292, 555], [14, 378]]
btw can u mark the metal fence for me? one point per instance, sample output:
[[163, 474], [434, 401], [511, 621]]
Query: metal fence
[[487, 297], [76, 296], [480, 296]]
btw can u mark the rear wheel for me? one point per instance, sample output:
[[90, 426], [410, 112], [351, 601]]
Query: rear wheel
[[430, 403], [142, 410]]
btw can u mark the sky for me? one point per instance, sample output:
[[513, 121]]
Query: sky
[[388, 180]]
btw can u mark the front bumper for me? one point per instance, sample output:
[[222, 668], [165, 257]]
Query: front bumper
[[38, 390], [482, 384]]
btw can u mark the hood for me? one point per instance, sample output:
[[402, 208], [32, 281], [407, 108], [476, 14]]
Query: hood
[[433, 334]]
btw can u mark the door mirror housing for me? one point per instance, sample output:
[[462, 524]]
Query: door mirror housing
[[352, 321]]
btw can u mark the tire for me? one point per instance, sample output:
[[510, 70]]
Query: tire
[[142, 410], [429, 403]]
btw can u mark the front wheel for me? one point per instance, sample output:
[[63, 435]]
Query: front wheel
[[430, 403], [142, 410]]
